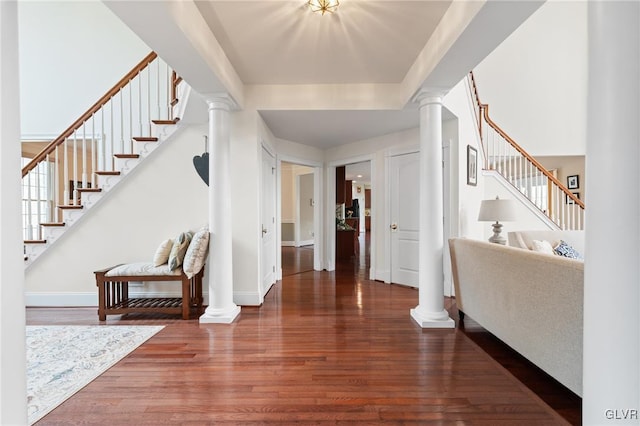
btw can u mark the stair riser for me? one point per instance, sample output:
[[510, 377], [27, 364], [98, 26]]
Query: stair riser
[[125, 165], [88, 200], [144, 148], [108, 182], [71, 216], [52, 233]]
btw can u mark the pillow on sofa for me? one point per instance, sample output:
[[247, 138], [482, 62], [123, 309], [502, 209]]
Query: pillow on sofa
[[162, 252], [542, 246], [178, 250], [196, 253], [564, 249]]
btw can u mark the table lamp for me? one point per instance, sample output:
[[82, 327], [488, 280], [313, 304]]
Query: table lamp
[[495, 211]]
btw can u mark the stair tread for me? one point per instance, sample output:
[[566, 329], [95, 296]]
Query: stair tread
[[174, 121], [145, 139], [35, 241], [89, 189], [71, 207], [126, 155], [52, 224], [107, 173]]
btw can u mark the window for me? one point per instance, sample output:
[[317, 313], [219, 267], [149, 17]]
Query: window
[[37, 199]]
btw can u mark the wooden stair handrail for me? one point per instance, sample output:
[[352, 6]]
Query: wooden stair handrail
[[84, 117], [485, 112], [525, 154]]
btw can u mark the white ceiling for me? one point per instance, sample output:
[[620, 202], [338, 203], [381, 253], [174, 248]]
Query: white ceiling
[[283, 42], [336, 78], [327, 129]]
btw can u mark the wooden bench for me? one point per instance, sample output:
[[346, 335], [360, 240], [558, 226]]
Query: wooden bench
[[113, 294]]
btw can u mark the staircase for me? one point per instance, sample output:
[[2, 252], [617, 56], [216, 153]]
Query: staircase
[[522, 173], [79, 168]]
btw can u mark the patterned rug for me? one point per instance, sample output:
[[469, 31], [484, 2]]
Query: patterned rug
[[61, 360]]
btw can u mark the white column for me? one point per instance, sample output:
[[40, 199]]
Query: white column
[[611, 373], [221, 308], [13, 388], [430, 312]]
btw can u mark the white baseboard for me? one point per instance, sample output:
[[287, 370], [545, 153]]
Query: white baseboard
[[75, 299], [246, 298], [383, 275], [288, 244]]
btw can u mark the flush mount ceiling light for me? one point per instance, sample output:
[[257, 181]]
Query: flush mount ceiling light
[[323, 6]]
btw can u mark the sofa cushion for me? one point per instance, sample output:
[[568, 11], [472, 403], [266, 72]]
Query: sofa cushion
[[542, 246], [564, 249], [523, 239]]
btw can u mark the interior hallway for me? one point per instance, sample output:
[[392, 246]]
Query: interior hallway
[[324, 348]]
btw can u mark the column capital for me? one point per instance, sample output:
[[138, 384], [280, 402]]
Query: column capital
[[428, 95], [221, 101]]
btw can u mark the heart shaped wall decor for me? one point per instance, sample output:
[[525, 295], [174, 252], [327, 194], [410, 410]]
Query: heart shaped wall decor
[[201, 164]]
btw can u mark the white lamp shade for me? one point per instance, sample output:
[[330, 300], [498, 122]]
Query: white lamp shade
[[497, 210]]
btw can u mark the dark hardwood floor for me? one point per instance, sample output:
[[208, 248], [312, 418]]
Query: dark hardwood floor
[[324, 348]]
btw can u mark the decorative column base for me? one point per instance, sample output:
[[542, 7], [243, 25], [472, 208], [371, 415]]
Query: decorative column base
[[432, 319], [220, 316]]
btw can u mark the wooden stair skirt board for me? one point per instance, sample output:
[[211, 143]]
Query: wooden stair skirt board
[[113, 295]]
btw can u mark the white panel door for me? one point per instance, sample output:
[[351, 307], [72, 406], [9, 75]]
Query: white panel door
[[405, 218], [268, 217]]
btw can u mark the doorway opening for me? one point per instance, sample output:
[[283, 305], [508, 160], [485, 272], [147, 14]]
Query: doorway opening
[[298, 239], [353, 215]]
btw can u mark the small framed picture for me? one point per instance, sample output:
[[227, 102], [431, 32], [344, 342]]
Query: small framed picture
[[573, 182], [472, 166], [570, 200]]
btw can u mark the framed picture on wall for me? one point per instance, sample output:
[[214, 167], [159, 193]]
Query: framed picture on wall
[[472, 166], [573, 182], [570, 200]]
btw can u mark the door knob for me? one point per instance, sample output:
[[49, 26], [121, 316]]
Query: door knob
[[394, 226], [264, 230]]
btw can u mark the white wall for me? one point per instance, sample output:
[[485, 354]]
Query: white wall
[[535, 82], [246, 164], [71, 53], [463, 131], [161, 198], [567, 165]]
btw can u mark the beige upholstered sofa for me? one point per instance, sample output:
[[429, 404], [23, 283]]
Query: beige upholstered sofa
[[524, 239], [531, 301]]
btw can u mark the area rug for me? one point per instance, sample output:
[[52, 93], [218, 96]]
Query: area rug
[[61, 360]]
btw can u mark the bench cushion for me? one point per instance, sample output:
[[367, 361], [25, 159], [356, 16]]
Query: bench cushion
[[142, 268]]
